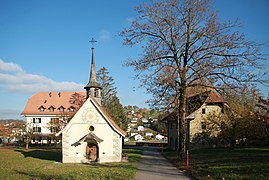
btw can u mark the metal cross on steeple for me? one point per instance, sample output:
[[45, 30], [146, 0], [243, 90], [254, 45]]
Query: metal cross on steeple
[[92, 41]]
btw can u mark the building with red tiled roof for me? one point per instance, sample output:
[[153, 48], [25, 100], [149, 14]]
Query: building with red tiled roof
[[46, 111]]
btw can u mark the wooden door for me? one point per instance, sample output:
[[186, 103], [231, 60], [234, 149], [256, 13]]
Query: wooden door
[[91, 152]]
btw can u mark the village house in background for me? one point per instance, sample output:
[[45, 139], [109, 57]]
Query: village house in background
[[144, 125], [201, 105], [90, 135], [11, 132]]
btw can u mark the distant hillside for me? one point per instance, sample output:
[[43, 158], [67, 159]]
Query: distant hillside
[[7, 121]]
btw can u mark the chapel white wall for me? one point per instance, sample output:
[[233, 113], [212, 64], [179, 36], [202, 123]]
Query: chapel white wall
[[109, 150]]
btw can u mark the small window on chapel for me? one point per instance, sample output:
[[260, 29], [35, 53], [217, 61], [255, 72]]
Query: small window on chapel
[[203, 111], [91, 128], [96, 93]]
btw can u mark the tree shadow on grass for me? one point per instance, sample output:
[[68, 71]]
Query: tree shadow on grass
[[36, 175], [45, 154]]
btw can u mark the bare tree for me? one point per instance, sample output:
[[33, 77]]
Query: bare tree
[[77, 100], [185, 46], [28, 133]]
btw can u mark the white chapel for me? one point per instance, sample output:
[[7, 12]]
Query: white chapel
[[91, 135]]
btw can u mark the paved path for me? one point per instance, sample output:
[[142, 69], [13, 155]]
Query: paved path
[[153, 166]]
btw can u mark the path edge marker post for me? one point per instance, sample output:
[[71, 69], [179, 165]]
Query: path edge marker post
[[188, 145]]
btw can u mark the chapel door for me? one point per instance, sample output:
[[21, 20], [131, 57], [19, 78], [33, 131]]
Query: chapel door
[[91, 152]]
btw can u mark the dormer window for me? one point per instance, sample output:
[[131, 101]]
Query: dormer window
[[71, 109], [51, 109], [41, 109], [61, 109]]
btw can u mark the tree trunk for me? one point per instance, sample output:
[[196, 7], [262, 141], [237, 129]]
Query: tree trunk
[[232, 141], [178, 132], [183, 120], [182, 123]]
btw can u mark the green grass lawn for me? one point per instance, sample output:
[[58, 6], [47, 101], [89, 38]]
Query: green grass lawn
[[240, 163], [45, 164]]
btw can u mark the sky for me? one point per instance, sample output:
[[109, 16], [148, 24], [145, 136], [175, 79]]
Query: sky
[[44, 45]]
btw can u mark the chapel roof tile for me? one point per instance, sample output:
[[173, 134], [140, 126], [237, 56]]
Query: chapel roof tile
[[109, 118]]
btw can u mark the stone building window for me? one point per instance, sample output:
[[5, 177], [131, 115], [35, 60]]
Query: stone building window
[[203, 125]]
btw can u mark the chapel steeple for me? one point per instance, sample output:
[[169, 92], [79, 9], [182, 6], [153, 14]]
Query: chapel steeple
[[93, 89]]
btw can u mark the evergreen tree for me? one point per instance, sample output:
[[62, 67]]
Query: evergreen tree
[[110, 101], [107, 83], [116, 111]]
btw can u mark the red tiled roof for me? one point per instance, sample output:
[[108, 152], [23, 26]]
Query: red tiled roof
[[214, 97], [207, 96], [51, 99], [194, 91]]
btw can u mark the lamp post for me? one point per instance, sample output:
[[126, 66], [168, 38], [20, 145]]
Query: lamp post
[[188, 119]]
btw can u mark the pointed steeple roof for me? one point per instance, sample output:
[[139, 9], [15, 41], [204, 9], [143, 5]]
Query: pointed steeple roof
[[92, 81]]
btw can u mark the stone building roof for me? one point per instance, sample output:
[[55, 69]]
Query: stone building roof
[[215, 97], [195, 100]]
